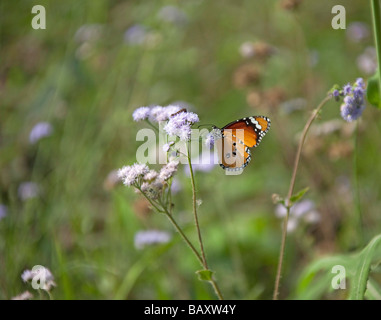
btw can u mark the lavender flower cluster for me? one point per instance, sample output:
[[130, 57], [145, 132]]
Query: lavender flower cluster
[[148, 181], [354, 102], [178, 123]]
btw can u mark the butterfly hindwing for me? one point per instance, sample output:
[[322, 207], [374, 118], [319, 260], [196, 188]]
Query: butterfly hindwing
[[233, 155]]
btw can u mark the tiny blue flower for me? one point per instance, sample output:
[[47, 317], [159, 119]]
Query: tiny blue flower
[[347, 89], [354, 102]]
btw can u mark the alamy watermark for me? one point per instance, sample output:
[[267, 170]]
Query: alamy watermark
[[338, 281]]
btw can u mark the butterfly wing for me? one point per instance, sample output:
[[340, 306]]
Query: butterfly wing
[[233, 155], [236, 139], [254, 128]]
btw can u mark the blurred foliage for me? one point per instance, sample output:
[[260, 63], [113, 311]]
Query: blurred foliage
[[85, 74]]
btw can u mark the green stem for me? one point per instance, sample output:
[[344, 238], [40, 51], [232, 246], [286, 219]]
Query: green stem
[[194, 200], [356, 188], [204, 262], [375, 4], [290, 192], [198, 256], [182, 234], [185, 238]]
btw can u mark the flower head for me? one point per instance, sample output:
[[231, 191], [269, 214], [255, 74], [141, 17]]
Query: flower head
[[357, 31], [135, 35], [168, 170], [41, 273], [3, 211], [130, 174], [28, 190], [141, 113], [150, 237], [167, 146], [209, 140], [39, 131], [173, 15], [180, 125], [160, 113], [303, 210], [354, 103]]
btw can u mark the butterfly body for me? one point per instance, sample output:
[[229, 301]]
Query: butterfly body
[[235, 139]]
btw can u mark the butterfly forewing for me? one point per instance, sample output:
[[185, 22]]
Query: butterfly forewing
[[255, 128]]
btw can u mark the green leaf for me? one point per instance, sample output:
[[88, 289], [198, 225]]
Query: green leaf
[[373, 290], [315, 279], [373, 91], [205, 275], [360, 279], [296, 197]]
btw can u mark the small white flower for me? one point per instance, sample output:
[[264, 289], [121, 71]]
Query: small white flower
[[23, 296], [150, 175], [40, 276], [167, 146], [27, 275], [130, 174], [169, 169], [141, 113]]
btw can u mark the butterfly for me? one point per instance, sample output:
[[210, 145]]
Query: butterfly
[[235, 139]]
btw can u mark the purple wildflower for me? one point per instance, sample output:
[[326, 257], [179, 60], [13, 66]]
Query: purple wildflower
[[159, 113], [141, 113], [167, 146], [354, 103], [41, 273], [173, 15], [367, 61], [303, 210], [347, 89], [135, 35], [180, 125], [209, 140], [176, 186], [28, 190], [3, 211], [357, 31], [168, 170], [39, 131], [23, 296], [150, 237], [153, 189], [150, 175], [130, 174]]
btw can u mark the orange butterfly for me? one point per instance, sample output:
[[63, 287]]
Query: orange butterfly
[[235, 139]]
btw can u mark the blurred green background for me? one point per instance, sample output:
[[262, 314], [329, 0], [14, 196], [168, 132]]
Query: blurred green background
[[97, 61]]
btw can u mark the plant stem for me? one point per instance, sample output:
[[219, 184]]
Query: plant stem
[[356, 189], [185, 238], [375, 4], [290, 192], [205, 264], [182, 234]]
